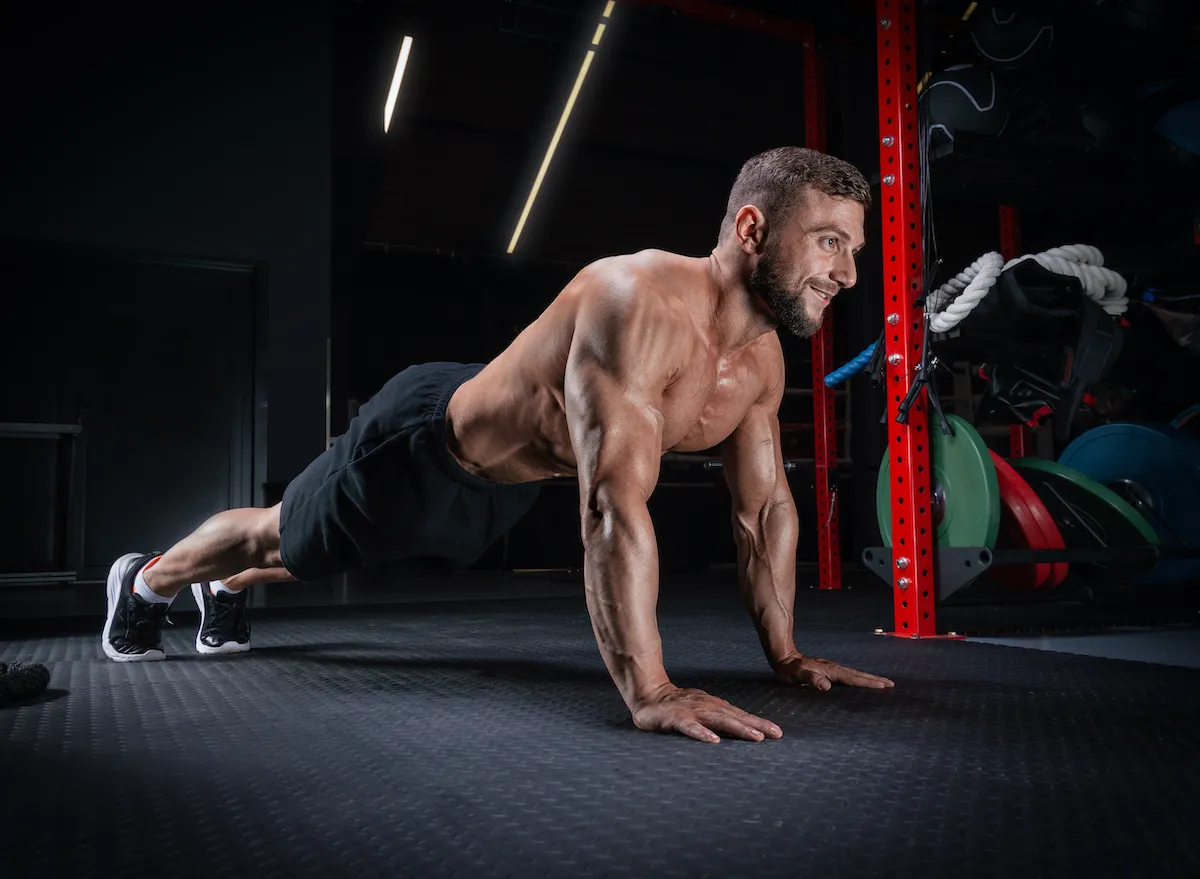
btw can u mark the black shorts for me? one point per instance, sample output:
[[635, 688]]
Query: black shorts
[[389, 489]]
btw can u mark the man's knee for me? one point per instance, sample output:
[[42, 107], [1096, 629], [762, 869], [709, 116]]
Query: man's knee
[[264, 538]]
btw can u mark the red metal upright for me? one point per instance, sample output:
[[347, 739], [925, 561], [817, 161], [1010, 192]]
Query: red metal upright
[[825, 434], [913, 569]]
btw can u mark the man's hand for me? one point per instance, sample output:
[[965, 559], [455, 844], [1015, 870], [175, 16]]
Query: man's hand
[[821, 674], [697, 714]]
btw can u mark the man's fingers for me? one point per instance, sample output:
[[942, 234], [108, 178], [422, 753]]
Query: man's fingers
[[760, 723], [854, 678], [698, 731], [731, 726]]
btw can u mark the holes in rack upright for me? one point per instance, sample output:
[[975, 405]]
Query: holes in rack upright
[[894, 279], [894, 298], [893, 238], [924, 593], [904, 604]]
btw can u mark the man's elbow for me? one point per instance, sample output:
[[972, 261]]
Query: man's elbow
[[606, 508]]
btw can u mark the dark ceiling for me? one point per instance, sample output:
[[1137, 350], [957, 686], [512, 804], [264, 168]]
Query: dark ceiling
[[671, 107]]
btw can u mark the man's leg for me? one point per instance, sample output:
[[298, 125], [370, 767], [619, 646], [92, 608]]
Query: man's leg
[[142, 586], [224, 620], [256, 576]]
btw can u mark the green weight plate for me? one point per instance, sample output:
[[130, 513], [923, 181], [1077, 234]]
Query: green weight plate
[[1103, 518], [966, 492]]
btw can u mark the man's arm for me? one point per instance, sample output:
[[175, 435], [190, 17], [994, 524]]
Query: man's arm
[[620, 362], [625, 351], [766, 525]]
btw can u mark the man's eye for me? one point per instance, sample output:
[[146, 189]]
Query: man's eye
[[831, 242]]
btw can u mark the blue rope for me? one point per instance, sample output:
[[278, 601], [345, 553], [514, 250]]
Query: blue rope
[[1185, 416], [858, 364]]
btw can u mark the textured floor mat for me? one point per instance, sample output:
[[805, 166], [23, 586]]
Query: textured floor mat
[[485, 739]]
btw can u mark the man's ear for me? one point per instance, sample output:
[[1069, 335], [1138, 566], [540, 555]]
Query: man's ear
[[750, 227]]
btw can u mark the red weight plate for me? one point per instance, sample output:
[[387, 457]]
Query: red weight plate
[[1054, 538], [1019, 529]]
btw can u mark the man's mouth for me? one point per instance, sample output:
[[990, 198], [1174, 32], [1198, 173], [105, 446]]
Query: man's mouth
[[824, 295]]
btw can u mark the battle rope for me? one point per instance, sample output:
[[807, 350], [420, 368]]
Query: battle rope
[[948, 305]]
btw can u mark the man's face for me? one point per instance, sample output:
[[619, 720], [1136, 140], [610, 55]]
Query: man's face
[[808, 260]]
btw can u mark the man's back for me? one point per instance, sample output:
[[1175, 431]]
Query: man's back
[[509, 424]]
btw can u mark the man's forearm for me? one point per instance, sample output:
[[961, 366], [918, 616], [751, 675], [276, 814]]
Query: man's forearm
[[766, 547], [621, 581]]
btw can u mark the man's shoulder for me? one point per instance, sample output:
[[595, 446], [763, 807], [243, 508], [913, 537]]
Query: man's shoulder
[[647, 282], [642, 266], [767, 353]]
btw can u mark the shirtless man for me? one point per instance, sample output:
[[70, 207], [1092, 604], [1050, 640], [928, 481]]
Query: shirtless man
[[639, 355]]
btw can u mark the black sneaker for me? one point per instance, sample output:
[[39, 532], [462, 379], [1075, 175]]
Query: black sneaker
[[224, 622], [133, 630]]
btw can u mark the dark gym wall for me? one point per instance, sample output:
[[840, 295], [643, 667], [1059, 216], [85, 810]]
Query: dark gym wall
[[201, 133]]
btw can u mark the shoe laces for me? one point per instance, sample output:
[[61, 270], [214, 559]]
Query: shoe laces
[[225, 613]]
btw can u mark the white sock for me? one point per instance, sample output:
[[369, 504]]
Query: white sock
[[217, 586], [140, 588]]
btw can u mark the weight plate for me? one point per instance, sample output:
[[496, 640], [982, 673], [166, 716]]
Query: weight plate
[[1023, 525], [1088, 515], [1157, 470], [1054, 538], [966, 493]]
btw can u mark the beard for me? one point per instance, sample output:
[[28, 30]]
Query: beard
[[790, 309]]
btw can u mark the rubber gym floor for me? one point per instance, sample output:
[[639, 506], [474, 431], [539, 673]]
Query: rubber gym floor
[[472, 730]]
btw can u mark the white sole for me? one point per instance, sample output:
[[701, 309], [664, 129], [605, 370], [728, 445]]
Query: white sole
[[116, 574], [228, 646]]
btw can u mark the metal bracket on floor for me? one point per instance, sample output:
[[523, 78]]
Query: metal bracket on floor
[[957, 566]]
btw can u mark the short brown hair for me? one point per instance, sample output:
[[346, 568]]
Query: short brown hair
[[775, 182]]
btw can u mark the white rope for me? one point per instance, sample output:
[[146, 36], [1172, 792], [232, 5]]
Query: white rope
[[1086, 263], [958, 297]]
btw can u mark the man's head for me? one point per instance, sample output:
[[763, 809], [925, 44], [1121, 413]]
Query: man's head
[[797, 215]]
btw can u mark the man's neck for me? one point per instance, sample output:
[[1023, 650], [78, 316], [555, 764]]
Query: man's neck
[[737, 316]]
